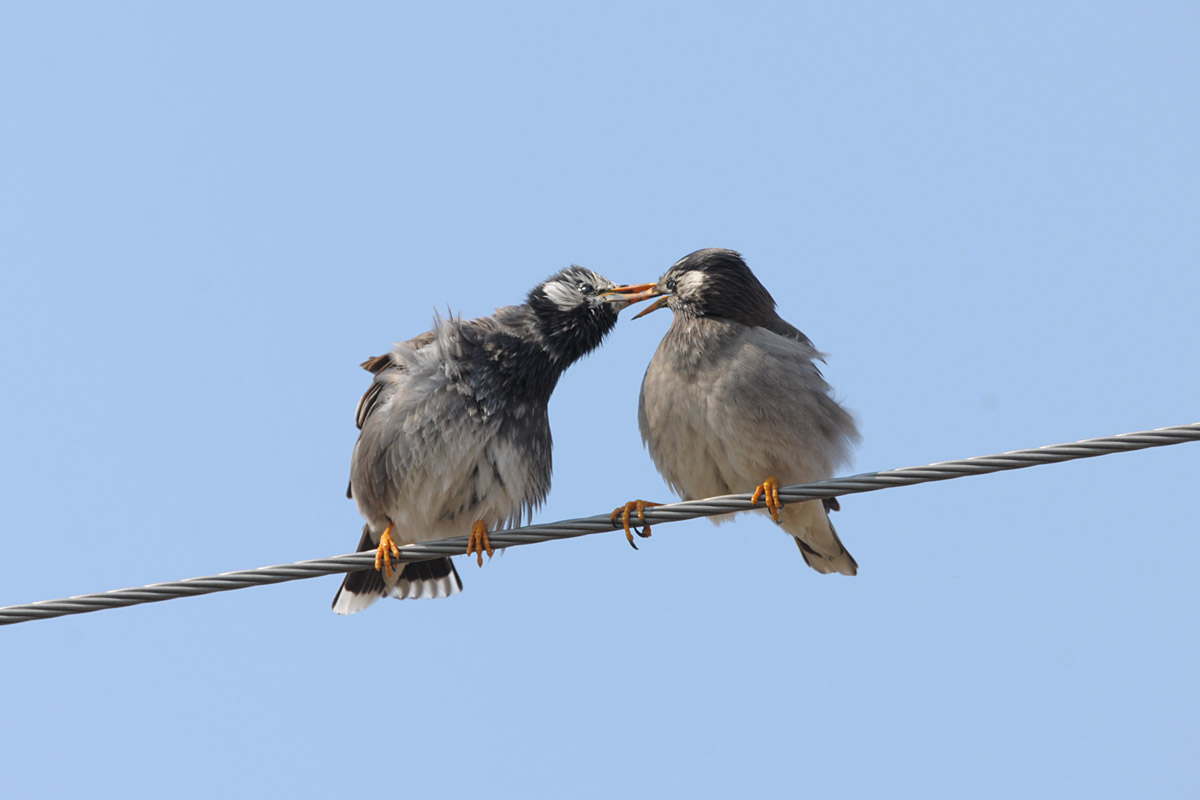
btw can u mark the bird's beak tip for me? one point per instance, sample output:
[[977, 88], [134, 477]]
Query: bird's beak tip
[[660, 303], [631, 288]]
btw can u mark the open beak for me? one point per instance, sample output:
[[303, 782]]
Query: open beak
[[636, 293], [655, 306]]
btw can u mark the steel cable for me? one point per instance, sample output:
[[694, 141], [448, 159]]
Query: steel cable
[[567, 529]]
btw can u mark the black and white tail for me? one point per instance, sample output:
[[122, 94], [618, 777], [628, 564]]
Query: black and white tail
[[436, 578]]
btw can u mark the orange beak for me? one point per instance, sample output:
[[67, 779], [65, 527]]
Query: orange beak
[[655, 306], [636, 293]]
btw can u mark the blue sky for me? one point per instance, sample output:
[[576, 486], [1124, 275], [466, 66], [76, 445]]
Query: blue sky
[[986, 215]]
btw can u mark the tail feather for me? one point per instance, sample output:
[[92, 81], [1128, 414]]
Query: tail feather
[[361, 588], [816, 537], [432, 579]]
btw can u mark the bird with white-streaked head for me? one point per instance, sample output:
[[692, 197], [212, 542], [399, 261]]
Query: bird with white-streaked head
[[454, 431], [733, 401]]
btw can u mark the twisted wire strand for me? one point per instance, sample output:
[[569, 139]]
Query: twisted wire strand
[[567, 529]]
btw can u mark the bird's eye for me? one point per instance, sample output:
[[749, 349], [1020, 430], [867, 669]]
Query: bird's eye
[[586, 288], [671, 285]]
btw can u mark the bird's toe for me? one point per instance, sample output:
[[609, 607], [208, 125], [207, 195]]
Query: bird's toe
[[768, 490], [625, 511], [386, 551], [479, 541]]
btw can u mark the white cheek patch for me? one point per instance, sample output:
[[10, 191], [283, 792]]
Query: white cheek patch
[[691, 283], [562, 295]]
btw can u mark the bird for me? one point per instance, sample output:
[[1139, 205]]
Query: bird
[[733, 401], [454, 431]]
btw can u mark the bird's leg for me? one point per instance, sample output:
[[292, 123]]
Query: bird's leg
[[768, 490], [624, 511], [479, 541], [386, 552]]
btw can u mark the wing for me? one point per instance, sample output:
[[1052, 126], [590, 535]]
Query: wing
[[782, 327], [378, 366], [777, 379]]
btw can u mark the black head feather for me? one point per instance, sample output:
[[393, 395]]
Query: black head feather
[[715, 282], [571, 316]]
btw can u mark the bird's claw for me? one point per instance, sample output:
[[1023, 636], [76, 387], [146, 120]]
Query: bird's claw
[[768, 490], [479, 541], [386, 552], [624, 511]]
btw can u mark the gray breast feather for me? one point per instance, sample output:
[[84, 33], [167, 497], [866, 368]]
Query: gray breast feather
[[723, 406], [431, 457]]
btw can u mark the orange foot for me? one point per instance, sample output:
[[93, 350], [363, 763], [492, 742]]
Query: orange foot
[[624, 511], [768, 490], [386, 552], [479, 541]]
